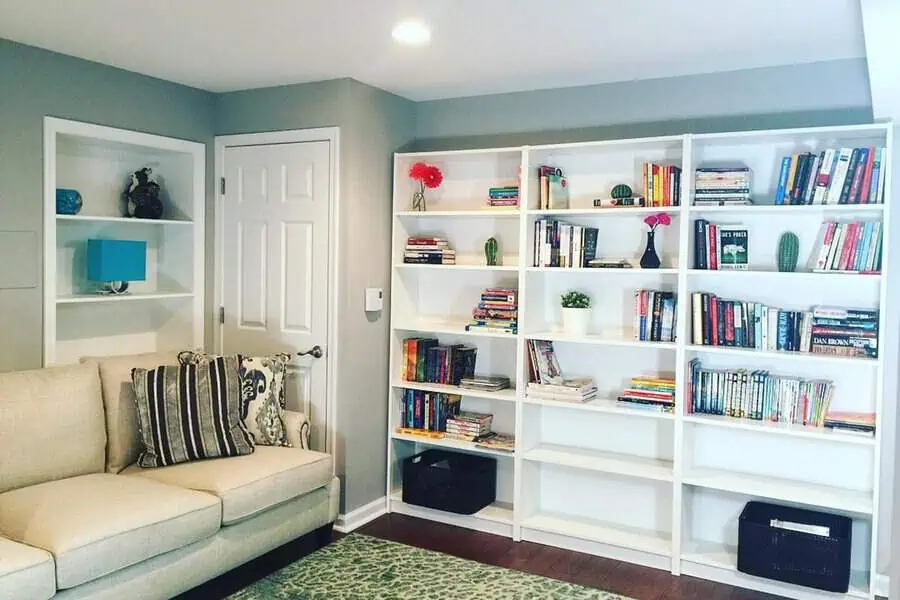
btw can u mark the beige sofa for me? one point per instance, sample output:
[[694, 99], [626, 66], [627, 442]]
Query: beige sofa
[[79, 520]]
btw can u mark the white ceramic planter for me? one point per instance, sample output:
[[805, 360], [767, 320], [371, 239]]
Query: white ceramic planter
[[576, 320]]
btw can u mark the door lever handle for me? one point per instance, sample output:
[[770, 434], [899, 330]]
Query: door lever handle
[[315, 352]]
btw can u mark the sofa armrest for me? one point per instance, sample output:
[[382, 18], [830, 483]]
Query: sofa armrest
[[296, 425]]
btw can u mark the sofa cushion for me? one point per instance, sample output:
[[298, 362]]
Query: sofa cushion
[[100, 523], [51, 425], [249, 484], [123, 439], [192, 411], [26, 573]]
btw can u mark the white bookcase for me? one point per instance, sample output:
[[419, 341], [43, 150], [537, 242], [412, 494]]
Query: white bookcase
[[165, 312], [662, 490]]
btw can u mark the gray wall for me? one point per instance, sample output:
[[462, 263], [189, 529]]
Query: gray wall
[[824, 93], [35, 83], [374, 124]]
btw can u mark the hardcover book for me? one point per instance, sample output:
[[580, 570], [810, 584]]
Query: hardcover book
[[733, 247]]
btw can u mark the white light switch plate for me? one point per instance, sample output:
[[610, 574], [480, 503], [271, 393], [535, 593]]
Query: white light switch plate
[[374, 299]]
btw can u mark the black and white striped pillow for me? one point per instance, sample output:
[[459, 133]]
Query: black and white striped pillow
[[191, 411]]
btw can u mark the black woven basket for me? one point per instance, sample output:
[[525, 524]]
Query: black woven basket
[[450, 481], [767, 548]]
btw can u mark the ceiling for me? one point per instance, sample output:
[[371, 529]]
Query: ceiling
[[478, 46]]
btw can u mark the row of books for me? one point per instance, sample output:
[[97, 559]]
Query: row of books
[[577, 390], [505, 196], [853, 247], [559, 244], [833, 176], [427, 411], [497, 310], [553, 188], [823, 330], [720, 247], [651, 393], [426, 360], [662, 185], [722, 186], [654, 315], [759, 395], [543, 366], [429, 250]]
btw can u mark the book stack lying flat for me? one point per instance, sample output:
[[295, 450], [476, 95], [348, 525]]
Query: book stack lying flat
[[662, 184], [497, 441], [497, 311], [468, 426], [850, 422], [652, 393], [426, 411], [558, 244], [485, 383], [852, 247], [722, 186], [424, 250], [845, 332], [503, 197], [833, 176], [425, 360], [578, 390], [654, 316], [759, 395]]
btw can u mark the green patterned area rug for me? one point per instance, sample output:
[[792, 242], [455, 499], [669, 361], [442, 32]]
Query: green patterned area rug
[[359, 567]]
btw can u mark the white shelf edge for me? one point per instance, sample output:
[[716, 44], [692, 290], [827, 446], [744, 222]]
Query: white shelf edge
[[450, 444], [624, 211], [458, 213], [424, 267], [498, 512], [781, 354], [95, 298], [506, 395], [601, 462], [601, 532], [822, 276], [598, 339], [603, 270], [811, 209], [452, 329], [603, 406], [123, 220], [799, 431]]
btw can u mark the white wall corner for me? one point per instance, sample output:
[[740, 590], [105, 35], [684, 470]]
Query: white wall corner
[[367, 513], [881, 21]]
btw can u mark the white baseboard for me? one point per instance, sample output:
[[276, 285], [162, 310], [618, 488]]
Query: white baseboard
[[362, 515], [882, 585]]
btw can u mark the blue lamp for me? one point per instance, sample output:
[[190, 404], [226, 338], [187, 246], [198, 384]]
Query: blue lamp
[[116, 262]]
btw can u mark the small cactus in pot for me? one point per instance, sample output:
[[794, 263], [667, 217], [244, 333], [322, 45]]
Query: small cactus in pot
[[490, 252], [788, 249]]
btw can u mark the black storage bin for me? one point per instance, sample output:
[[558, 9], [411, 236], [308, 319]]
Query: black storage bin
[[450, 481], [769, 550]]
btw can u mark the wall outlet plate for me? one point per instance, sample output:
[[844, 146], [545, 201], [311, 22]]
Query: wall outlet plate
[[374, 299]]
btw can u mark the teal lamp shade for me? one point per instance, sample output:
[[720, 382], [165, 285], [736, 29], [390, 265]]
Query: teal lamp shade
[[116, 260]]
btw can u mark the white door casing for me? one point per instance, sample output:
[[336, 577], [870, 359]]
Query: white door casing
[[275, 264]]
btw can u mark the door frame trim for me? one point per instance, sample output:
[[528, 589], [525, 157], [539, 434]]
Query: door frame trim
[[332, 135]]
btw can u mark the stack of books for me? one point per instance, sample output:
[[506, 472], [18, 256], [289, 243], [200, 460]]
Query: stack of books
[[558, 244], [759, 395], [485, 383], [503, 197], [721, 322], [468, 426], [553, 189], [722, 186], [426, 411], [425, 360], [654, 315], [845, 332], [833, 176], [543, 366], [850, 422], [653, 393], [662, 185], [720, 247], [497, 311], [577, 390], [497, 441], [852, 247], [429, 250]]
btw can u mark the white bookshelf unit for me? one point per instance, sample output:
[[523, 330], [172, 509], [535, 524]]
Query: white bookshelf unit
[[658, 489], [165, 312]]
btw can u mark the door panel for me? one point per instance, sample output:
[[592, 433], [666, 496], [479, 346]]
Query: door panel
[[275, 257]]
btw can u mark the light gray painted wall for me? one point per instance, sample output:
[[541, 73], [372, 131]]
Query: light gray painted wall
[[374, 124], [825, 93], [35, 83]]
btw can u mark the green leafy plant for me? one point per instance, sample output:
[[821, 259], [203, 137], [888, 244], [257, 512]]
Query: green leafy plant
[[574, 299]]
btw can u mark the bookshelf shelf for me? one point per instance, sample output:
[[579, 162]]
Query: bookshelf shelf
[[604, 462], [507, 395], [450, 444], [579, 478], [95, 298]]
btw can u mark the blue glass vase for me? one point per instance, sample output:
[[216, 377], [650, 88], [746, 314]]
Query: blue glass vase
[[68, 202]]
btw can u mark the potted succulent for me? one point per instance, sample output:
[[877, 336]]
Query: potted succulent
[[576, 311]]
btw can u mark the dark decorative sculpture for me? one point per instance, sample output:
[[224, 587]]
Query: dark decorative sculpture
[[142, 196]]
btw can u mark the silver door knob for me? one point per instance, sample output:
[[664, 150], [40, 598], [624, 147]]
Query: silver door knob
[[315, 352]]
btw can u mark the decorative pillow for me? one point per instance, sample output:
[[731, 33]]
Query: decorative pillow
[[191, 411], [262, 394]]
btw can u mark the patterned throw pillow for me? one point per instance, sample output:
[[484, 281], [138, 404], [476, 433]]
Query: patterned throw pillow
[[262, 394], [189, 412]]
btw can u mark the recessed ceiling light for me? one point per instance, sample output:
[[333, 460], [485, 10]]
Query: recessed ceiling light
[[411, 33]]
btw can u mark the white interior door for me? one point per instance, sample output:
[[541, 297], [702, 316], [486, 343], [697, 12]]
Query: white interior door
[[275, 264]]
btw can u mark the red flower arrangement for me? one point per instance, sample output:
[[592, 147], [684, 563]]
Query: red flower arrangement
[[652, 221], [428, 175]]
